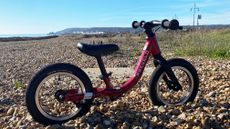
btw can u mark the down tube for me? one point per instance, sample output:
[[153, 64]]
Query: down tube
[[138, 70]]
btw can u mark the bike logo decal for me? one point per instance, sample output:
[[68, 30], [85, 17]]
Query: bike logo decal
[[142, 65]]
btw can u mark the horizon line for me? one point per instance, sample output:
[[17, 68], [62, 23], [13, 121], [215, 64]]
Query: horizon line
[[98, 27]]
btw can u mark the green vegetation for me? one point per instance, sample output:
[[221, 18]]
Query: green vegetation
[[213, 43], [18, 84], [209, 43]]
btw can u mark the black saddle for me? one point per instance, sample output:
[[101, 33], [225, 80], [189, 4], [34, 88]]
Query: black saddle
[[97, 50]]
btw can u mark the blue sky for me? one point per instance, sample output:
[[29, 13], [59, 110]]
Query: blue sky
[[43, 16]]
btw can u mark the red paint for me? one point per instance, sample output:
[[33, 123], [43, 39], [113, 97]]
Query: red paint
[[153, 46]]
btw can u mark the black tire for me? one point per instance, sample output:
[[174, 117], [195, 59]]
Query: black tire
[[159, 72], [48, 71]]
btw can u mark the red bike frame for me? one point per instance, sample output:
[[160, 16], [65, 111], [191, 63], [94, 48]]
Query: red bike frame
[[151, 47]]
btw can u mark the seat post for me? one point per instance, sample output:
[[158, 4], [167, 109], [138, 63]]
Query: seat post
[[102, 67]]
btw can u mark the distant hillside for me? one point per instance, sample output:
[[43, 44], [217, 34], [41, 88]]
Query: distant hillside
[[96, 30], [102, 30], [10, 39]]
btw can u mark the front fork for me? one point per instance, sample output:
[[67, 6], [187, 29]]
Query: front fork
[[171, 80]]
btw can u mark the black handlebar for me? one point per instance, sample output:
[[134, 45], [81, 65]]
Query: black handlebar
[[135, 24], [166, 24]]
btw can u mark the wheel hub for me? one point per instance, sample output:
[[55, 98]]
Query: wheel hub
[[172, 86], [60, 95]]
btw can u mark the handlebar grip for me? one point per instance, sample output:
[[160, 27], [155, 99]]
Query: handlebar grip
[[142, 23], [135, 24], [165, 24], [173, 24]]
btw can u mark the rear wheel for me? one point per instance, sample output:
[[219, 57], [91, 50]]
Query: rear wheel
[[160, 90], [45, 89]]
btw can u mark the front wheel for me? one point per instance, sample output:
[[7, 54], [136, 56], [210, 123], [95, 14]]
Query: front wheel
[[41, 95], [159, 88]]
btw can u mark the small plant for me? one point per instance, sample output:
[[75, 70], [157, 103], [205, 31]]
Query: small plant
[[18, 84]]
